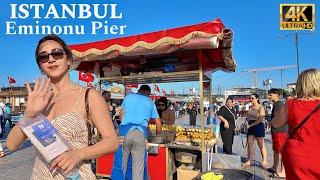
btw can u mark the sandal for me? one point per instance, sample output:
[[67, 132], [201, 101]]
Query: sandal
[[276, 175], [270, 170], [1, 154], [246, 164]]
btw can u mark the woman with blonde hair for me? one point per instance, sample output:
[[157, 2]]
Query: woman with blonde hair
[[63, 103], [301, 151]]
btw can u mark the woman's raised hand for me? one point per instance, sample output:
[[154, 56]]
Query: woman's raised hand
[[39, 97]]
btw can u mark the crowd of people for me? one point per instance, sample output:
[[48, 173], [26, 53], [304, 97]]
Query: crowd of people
[[5, 116], [294, 129]]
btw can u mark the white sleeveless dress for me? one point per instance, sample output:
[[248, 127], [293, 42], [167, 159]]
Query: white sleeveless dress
[[72, 126]]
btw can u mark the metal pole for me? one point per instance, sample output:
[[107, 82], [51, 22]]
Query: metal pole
[[281, 83], [281, 78], [255, 79], [201, 104], [297, 51]]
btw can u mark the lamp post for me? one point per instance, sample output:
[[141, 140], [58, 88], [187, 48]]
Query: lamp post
[[297, 51], [296, 41]]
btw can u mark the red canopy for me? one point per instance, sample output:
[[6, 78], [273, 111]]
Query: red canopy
[[181, 47]]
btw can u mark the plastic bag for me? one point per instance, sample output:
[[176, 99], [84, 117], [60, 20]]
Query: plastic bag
[[44, 136]]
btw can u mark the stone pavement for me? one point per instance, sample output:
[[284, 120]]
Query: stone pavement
[[18, 165]]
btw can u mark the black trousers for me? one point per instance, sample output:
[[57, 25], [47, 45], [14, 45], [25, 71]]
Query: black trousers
[[2, 126], [227, 139], [193, 120]]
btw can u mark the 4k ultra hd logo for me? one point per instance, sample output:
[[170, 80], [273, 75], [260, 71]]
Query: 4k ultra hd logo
[[297, 16]]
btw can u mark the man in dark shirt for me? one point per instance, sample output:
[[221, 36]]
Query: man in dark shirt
[[279, 135]]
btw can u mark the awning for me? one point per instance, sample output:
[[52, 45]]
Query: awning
[[179, 48]]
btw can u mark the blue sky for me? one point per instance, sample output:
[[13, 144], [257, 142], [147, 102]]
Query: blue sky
[[256, 37]]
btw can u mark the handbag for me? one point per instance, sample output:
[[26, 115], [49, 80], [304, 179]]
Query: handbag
[[243, 129], [92, 135], [303, 121]]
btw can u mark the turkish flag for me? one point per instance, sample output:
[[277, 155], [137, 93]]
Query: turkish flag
[[86, 77], [156, 88], [11, 80], [164, 92]]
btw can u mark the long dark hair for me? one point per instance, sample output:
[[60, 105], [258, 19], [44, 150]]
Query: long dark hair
[[229, 99], [256, 96], [56, 38], [164, 100]]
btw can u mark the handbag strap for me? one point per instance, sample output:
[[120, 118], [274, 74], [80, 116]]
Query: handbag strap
[[304, 121], [234, 117], [89, 125]]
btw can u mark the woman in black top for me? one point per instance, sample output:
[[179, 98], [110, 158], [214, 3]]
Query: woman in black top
[[227, 115], [193, 114]]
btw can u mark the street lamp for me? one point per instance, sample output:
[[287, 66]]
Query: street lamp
[[297, 51], [296, 40]]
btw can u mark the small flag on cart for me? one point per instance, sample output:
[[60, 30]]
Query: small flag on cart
[[86, 77]]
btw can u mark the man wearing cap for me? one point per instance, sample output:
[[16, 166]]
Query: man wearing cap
[[130, 160]]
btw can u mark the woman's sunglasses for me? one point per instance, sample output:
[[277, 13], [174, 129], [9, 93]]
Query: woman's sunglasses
[[57, 53], [160, 104]]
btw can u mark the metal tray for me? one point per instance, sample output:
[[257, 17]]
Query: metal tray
[[164, 138], [230, 174]]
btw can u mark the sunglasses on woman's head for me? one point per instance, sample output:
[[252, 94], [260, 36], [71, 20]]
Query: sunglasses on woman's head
[[57, 54]]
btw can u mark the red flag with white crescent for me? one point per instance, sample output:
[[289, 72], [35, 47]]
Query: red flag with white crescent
[[86, 77], [11, 80]]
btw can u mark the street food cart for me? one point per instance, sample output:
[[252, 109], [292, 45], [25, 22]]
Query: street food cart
[[189, 53]]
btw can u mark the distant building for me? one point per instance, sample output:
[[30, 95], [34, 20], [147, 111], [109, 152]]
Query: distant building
[[291, 86], [15, 96], [241, 94]]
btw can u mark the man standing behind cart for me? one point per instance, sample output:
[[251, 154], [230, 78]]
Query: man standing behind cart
[[130, 160]]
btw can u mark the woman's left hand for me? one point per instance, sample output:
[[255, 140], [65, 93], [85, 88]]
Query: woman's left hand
[[67, 161]]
